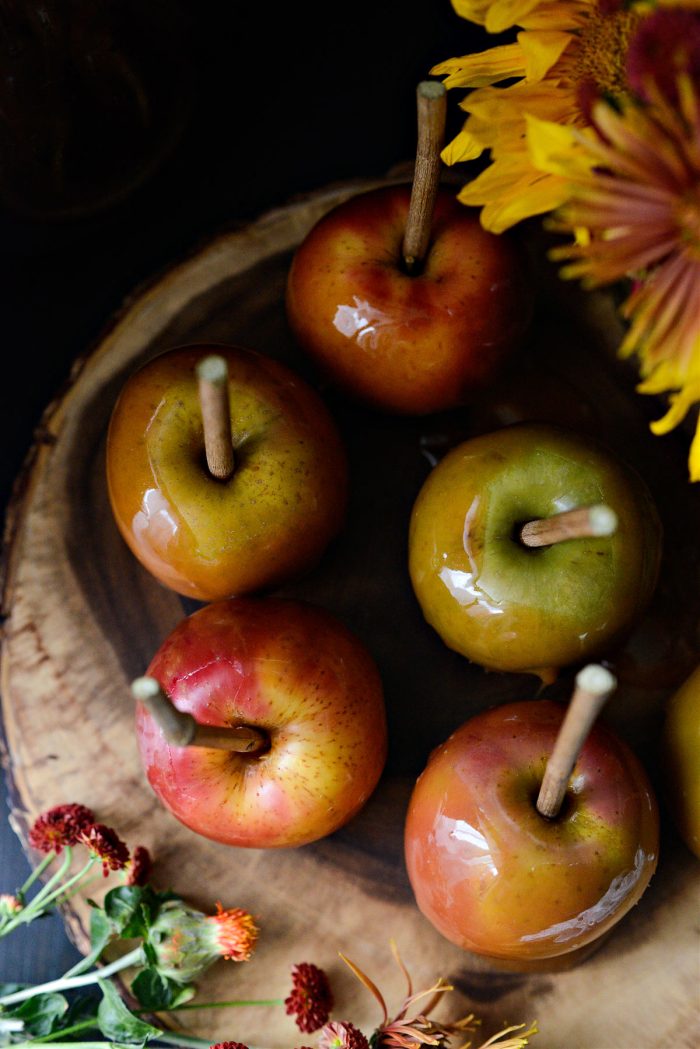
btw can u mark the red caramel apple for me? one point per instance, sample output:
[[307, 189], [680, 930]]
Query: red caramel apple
[[497, 877], [268, 520], [510, 605], [406, 343], [287, 734]]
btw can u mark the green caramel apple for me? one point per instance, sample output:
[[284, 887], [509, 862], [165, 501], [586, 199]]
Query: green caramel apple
[[510, 607]]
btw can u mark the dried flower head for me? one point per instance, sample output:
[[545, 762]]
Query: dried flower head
[[186, 942], [140, 866], [311, 999], [60, 827], [229, 1045], [106, 844], [236, 933], [342, 1036], [412, 1028], [9, 905]]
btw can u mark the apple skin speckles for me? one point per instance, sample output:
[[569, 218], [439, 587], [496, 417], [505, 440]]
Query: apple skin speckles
[[293, 671]]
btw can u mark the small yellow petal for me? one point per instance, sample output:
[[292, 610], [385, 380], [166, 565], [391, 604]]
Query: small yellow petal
[[694, 457], [542, 50], [463, 147], [472, 10], [503, 14], [555, 149], [483, 68], [679, 406]]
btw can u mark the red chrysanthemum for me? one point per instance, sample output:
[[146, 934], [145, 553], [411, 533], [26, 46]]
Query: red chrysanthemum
[[236, 933], [342, 1036], [311, 999], [229, 1045], [106, 844], [60, 827], [665, 46], [140, 866]]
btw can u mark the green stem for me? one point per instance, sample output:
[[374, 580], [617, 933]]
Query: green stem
[[53, 880], [84, 1025], [134, 957], [227, 1005], [37, 872], [63, 889]]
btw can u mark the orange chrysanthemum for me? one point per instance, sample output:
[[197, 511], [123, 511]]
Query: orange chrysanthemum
[[236, 933], [567, 53]]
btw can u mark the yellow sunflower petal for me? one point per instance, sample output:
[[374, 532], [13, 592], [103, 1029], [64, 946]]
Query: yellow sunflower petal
[[503, 14], [562, 14], [694, 457], [472, 10], [486, 67], [510, 190], [556, 149], [542, 50], [464, 146], [680, 405]]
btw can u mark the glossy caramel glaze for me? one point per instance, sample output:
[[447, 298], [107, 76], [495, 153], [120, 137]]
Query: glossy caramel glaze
[[410, 344], [293, 671], [508, 607], [496, 877], [270, 521], [681, 760]]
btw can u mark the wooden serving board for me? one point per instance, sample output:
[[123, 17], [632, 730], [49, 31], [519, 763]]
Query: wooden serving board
[[83, 618]]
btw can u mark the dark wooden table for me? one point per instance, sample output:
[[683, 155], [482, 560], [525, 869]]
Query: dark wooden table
[[267, 114]]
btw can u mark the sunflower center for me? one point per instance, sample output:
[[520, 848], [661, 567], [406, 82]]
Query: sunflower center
[[602, 51]]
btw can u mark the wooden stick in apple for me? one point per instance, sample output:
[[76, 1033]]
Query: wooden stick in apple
[[212, 374], [181, 729], [432, 112], [584, 522], [594, 685]]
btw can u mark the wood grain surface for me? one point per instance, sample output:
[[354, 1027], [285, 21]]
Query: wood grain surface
[[83, 618]]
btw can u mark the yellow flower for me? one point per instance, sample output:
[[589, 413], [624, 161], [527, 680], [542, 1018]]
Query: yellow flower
[[567, 52], [634, 209]]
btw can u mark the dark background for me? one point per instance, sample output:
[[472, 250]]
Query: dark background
[[131, 130]]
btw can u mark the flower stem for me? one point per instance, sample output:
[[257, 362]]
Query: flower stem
[[84, 1025], [64, 983], [62, 890], [227, 1005], [37, 872], [35, 906]]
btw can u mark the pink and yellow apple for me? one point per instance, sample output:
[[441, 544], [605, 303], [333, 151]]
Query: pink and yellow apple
[[408, 343], [294, 672], [270, 521], [499, 879]]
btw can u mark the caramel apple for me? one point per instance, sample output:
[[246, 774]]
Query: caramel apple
[[402, 298], [258, 505], [270, 729], [500, 878], [510, 551], [681, 760]]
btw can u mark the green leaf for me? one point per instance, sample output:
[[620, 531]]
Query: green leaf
[[158, 992], [123, 908], [117, 1023], [41, 1013], [101, 930]]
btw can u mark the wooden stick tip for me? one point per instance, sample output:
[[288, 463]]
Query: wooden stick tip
[[597, 680], [431, 89], [145, 688], [213, 369], [603, 520]]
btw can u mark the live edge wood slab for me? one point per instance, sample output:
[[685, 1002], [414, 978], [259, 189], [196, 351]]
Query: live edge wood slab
[[82, 619]]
